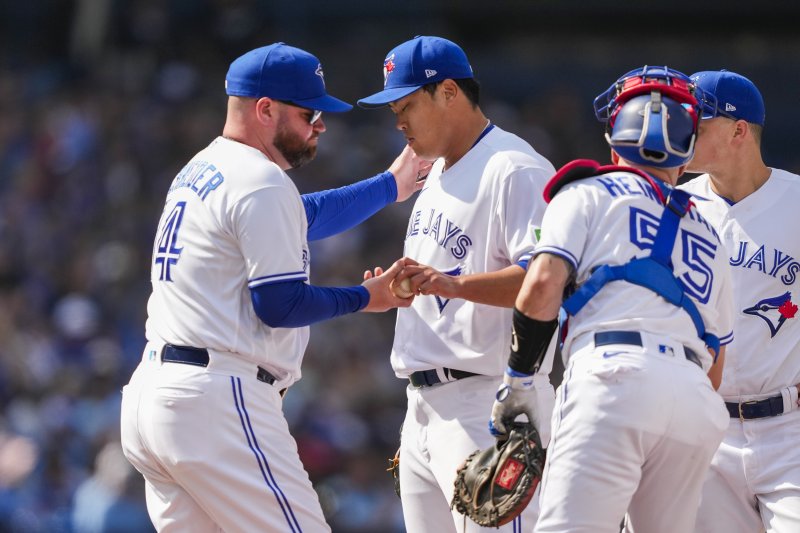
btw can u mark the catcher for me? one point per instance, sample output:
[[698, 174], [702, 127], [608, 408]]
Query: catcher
[[637, 419]]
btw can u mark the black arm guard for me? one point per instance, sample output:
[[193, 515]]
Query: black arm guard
[[530, 339]]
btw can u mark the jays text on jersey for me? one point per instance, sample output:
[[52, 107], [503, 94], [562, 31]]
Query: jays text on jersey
[[764, 254], [468, 222]]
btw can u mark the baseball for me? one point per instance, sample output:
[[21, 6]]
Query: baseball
[[403, 289]]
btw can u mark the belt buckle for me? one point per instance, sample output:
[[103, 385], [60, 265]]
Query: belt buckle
[[749, 402]]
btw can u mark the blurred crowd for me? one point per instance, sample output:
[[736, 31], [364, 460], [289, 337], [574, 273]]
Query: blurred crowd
[[101, 103]]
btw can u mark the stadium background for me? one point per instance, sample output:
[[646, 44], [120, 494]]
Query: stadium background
[[102, 102]]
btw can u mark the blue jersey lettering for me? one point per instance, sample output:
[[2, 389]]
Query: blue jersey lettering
[[460, 249], [442, 230], [451, 231], [413, 225], [198, 176], [628, 186], [758, 260]]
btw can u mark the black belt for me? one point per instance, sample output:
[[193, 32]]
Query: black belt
[[757, 408], [602, 338], [426, 378], [199, 357]]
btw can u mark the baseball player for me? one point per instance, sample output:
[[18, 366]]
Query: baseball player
[[231, 303], [469, 238], [754, 480], [637, 419]]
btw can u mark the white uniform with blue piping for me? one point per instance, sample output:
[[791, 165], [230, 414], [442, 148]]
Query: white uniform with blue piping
[[755, 475], [636, 413], [480, 215], [214, 242]]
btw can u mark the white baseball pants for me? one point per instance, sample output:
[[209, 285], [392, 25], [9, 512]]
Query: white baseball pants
[[753, 484], [444, 424], [634, 431], [215, 450]]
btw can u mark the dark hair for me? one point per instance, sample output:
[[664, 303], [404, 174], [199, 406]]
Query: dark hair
[[758, 132], [469, 86]]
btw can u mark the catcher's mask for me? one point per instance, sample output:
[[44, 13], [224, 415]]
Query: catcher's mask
[[651, 115]]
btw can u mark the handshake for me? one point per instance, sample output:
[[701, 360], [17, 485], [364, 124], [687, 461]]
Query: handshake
[[405, 279]]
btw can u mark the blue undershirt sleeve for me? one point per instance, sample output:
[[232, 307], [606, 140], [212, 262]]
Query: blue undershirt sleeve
[[292, 304], [337, 210]]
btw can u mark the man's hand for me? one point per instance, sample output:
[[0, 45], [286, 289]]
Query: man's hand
[[369, 274], [516, 396], [381, 297], [409, 172], [427, 280]]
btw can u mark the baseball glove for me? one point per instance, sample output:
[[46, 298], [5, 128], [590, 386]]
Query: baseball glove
[[394, 471], [494, 486]]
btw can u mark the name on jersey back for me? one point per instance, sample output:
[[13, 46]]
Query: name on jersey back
[[629, 185], [199, 176]]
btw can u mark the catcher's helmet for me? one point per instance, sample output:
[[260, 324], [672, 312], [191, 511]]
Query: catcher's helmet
[[651, 116]]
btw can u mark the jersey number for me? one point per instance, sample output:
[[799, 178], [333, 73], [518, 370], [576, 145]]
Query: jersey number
[[695, 252], [168, 252]]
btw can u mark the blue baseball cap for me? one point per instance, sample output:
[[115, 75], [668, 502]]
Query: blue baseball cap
[[729, 95], [418, 62], [282, 72]]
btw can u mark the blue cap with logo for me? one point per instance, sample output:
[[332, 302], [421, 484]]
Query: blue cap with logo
[[731, 95], [418, 62], [282, 72]]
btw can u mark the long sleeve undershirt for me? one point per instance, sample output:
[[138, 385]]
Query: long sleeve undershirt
[[337, 210], [292, 304]]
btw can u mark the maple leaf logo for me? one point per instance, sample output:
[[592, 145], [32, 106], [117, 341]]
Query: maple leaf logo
[[787, 309], [388, 67]]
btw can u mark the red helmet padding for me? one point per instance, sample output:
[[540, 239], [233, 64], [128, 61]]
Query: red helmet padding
[[677, 89]]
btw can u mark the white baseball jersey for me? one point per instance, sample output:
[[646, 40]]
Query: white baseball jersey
[[610, 219], [480, 215], [764, 253], [645, 412], [233, 220]]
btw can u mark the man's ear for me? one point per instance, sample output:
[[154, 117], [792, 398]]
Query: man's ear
[[265, 109], [614, 158], [450, 90], [742, 129]]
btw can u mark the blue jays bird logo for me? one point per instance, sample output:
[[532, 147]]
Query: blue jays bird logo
[[774, 311], [439, 301], [388, 67], [319, 73]]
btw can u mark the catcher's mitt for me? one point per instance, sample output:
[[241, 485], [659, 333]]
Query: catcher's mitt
[[493, 486]]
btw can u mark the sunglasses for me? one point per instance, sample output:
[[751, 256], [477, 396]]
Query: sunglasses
[[315, 113]]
